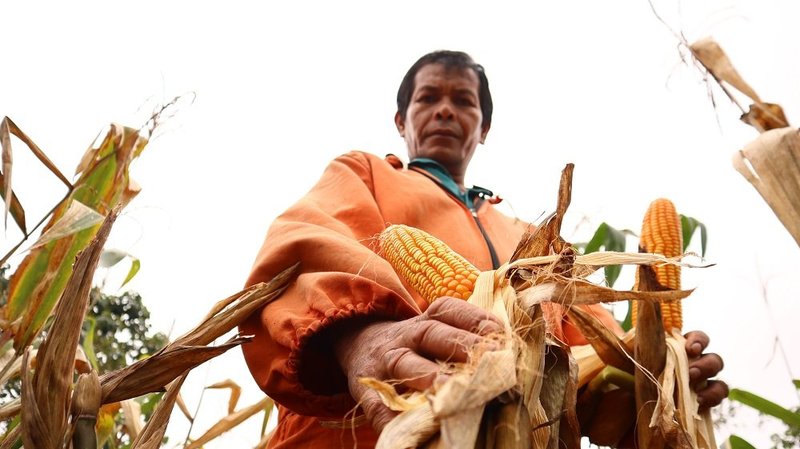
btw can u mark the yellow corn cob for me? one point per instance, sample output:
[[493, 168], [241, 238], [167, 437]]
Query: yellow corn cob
[[661, 233], [427, 263]]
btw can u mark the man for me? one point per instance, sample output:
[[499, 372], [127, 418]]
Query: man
[[348, 315]]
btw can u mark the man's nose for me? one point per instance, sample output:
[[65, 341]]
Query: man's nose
[[444, 110]]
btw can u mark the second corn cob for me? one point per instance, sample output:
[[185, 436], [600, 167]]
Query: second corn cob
[[661, 233]]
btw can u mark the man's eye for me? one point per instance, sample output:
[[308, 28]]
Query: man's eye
[[426, 99], [464, 101]]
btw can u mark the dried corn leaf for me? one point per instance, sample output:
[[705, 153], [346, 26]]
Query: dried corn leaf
[[7, 129], [153, 432], [236, 392], [608, 346], [494, 373], [765, 116], [771, 163], [183, 408], [581, 293], [153, 373], [409, 429], [713, 58], [35, 432], [236, 308], [229, 422], [52, 380], [132, 413], [461, 429]]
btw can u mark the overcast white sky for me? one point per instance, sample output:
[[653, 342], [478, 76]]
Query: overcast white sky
[[283, 87]]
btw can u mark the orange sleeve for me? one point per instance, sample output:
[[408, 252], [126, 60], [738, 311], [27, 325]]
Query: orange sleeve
[[340, 278]]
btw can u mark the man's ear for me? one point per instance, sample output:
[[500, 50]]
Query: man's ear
[[399, 123], [484, 131]]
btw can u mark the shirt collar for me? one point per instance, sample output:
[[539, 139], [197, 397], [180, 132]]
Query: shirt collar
[[438, 171]]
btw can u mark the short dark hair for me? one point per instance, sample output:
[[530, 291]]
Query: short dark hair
[[450, 60]]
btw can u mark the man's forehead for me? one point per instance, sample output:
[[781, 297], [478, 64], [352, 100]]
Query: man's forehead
[[431, 75]]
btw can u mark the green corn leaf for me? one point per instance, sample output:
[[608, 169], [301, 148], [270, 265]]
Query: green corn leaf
[[88, 343], [735, 442], [135, 265], [610, 239], [688, 227], [40, 279], [796, 383], [765, 406]]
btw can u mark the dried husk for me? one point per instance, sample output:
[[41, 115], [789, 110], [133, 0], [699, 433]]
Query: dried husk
[[153, 431], [153, 373], [771, 163], [85, 407], [46, 401], [650, 353]]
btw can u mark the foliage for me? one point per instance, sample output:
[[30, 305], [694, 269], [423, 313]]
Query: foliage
[[791, 418], [121, 330]]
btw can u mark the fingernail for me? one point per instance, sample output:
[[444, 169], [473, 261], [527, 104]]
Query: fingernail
[[697, 348], [694, 373]]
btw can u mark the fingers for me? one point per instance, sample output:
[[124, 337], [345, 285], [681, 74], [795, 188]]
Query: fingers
[[463, 315], [705, 367], [376, 412], [696, 343], [410, 369], [440, 341], [713, 394]]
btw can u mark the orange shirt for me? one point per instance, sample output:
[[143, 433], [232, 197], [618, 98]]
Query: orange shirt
[[332, 232]]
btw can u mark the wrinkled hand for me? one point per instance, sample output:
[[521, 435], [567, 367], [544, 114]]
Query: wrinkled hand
[[702, 367], [406, 351]]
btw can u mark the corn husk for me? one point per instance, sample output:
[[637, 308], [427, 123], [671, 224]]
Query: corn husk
[[771, 163]]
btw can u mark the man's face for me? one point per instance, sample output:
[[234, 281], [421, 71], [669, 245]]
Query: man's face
[[444, 120]]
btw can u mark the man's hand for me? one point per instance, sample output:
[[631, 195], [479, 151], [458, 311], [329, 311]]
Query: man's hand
[[702, 367], [407, 351]]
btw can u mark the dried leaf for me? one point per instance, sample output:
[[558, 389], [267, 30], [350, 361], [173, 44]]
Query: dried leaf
[[152, 374], [153, 432], [771, 163], [231, 311], [713, 58], [608, 346], [132, 412], [765, 116], [461, 429], [236, 391], [408, 429], [229, 422], [8, 128], [52, 380], [183, 408]]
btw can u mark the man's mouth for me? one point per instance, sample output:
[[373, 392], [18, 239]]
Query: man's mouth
[[443, 133]]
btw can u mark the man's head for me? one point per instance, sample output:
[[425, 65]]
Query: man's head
[[451, 60], [444, 110]]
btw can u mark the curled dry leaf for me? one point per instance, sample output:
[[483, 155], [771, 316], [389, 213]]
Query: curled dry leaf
[[229, 422], [153, 431]]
